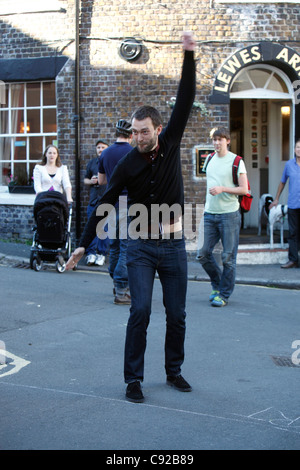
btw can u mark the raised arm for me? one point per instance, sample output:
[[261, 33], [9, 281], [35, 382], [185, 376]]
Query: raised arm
[[188, 41], [186, 90]]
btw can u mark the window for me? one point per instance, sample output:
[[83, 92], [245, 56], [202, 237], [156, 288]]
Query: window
[[27, 126], [260, 81]]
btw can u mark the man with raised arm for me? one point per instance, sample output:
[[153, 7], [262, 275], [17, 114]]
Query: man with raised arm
[[151, 172]]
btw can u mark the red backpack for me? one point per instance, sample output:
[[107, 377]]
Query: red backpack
[[246, 200]]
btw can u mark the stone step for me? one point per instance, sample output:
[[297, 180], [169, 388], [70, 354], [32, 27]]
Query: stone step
[[262, 254], [249, 254]]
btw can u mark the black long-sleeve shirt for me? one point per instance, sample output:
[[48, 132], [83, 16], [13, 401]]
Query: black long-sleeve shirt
[[158, 181]]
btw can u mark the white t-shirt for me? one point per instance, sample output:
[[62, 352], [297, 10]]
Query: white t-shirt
[[219, 173]]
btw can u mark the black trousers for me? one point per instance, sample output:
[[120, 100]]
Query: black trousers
[[294, 234]]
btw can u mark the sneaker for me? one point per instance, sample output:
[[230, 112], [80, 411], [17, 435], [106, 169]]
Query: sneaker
[[134, 392], [219, 302], [213, 294], [124, 299], [127, 291], [100, 260], [90, 259], [179, 383]]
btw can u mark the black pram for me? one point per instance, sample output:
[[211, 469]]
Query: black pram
[[52, 238]]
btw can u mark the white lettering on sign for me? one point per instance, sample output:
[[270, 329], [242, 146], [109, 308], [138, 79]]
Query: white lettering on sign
[[249, 56], [283, 54], [293, 61], [246, 56], [256, 54], [232, 64]]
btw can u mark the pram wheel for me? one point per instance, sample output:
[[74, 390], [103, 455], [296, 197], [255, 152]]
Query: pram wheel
[[37, 264], [60, 265], [35, 261]]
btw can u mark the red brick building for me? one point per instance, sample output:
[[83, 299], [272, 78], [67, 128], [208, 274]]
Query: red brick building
[[69, 70]]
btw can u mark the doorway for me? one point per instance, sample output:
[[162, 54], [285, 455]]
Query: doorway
[[261, 128]]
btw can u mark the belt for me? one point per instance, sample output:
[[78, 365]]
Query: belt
[[162, 236]]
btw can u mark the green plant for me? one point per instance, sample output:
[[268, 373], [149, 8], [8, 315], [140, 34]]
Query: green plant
[[196, 104], [20, 178]]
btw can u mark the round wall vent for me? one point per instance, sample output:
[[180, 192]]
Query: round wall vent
[[130, 49]]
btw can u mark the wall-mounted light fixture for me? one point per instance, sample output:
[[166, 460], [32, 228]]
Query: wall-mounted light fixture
[[285, 110], [130, 49], [285, 132]]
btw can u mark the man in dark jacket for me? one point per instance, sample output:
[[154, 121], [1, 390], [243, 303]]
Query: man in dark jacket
[[96, 252], [151, 172], [117, 245]]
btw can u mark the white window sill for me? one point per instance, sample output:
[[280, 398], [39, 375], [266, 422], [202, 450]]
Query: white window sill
[[7, 198]]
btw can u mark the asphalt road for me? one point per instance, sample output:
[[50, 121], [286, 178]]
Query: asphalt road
[[61, 386]]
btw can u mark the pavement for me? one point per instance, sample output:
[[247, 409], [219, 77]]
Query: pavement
[[268, 275]]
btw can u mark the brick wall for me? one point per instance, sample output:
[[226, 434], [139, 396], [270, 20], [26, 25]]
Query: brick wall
[[111, 88], [16, 222]]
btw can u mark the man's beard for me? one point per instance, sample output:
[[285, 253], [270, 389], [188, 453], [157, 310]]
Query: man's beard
[[146, 148]]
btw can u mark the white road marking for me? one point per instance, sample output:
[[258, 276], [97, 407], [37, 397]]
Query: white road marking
[[14, 366]]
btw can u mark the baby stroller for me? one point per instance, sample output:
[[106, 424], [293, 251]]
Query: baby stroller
[[52, 238]]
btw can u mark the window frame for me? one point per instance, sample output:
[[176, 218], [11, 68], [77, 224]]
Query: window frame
[[26, 135], [262, 93]]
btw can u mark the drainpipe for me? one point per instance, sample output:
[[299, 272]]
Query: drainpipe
[[77, 123]]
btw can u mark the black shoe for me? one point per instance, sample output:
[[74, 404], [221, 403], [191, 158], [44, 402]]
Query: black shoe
[[124, 299], [134, 392], [179, 383], [289, 264]]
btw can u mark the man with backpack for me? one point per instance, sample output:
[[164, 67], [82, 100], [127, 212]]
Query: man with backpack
[[222, 216]]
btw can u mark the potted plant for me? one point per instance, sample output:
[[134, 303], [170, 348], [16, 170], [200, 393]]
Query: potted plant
[[19, 184]]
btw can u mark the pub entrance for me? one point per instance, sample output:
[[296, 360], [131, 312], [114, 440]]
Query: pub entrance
[[261, 128]]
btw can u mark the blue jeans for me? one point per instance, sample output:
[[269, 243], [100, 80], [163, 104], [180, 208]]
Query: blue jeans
[[145, 258], [224, 227], [118, 258], [97, 245]]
